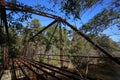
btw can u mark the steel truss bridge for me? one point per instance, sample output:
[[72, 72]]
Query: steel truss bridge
[[40, 70]]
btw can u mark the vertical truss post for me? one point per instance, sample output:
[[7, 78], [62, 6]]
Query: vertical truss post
[[7, 43], [61, 46]]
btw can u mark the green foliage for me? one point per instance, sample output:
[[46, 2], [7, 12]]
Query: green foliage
[[19, 16], [107, 17], [32, 28], [79, 45], [83, 48], [35, 24], [107, 43], [74, 7], [77, 7], [14, 43], [100, 22], [52, 36]]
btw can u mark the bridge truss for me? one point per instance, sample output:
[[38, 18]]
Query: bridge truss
[[40, 69]]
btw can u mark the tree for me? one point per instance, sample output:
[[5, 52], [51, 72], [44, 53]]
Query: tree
[[74, 7], [107, 17], [30, 45], [107, 43]]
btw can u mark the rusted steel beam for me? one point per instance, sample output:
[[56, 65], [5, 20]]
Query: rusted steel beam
[[1, 73], [29, 10], [34, 65], [3, 18], [81, 56], [64, 70], [60, 72], [56, 59], [26, 76], [1, 69], [14, 77], [57, 71], [39, 75], [24, 8], [43, 30], [61, 45]]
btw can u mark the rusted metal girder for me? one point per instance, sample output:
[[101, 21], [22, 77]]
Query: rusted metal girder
[[14, 77], [66, 73], [1, 73], [3, 18], [23, 8], [61, 45], [82, 56], [56, 59], [34, 65], [31, 69], [26, 76], [54, 70], [64, 70]]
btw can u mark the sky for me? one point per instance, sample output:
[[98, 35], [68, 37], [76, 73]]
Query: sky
[[111, 32]]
